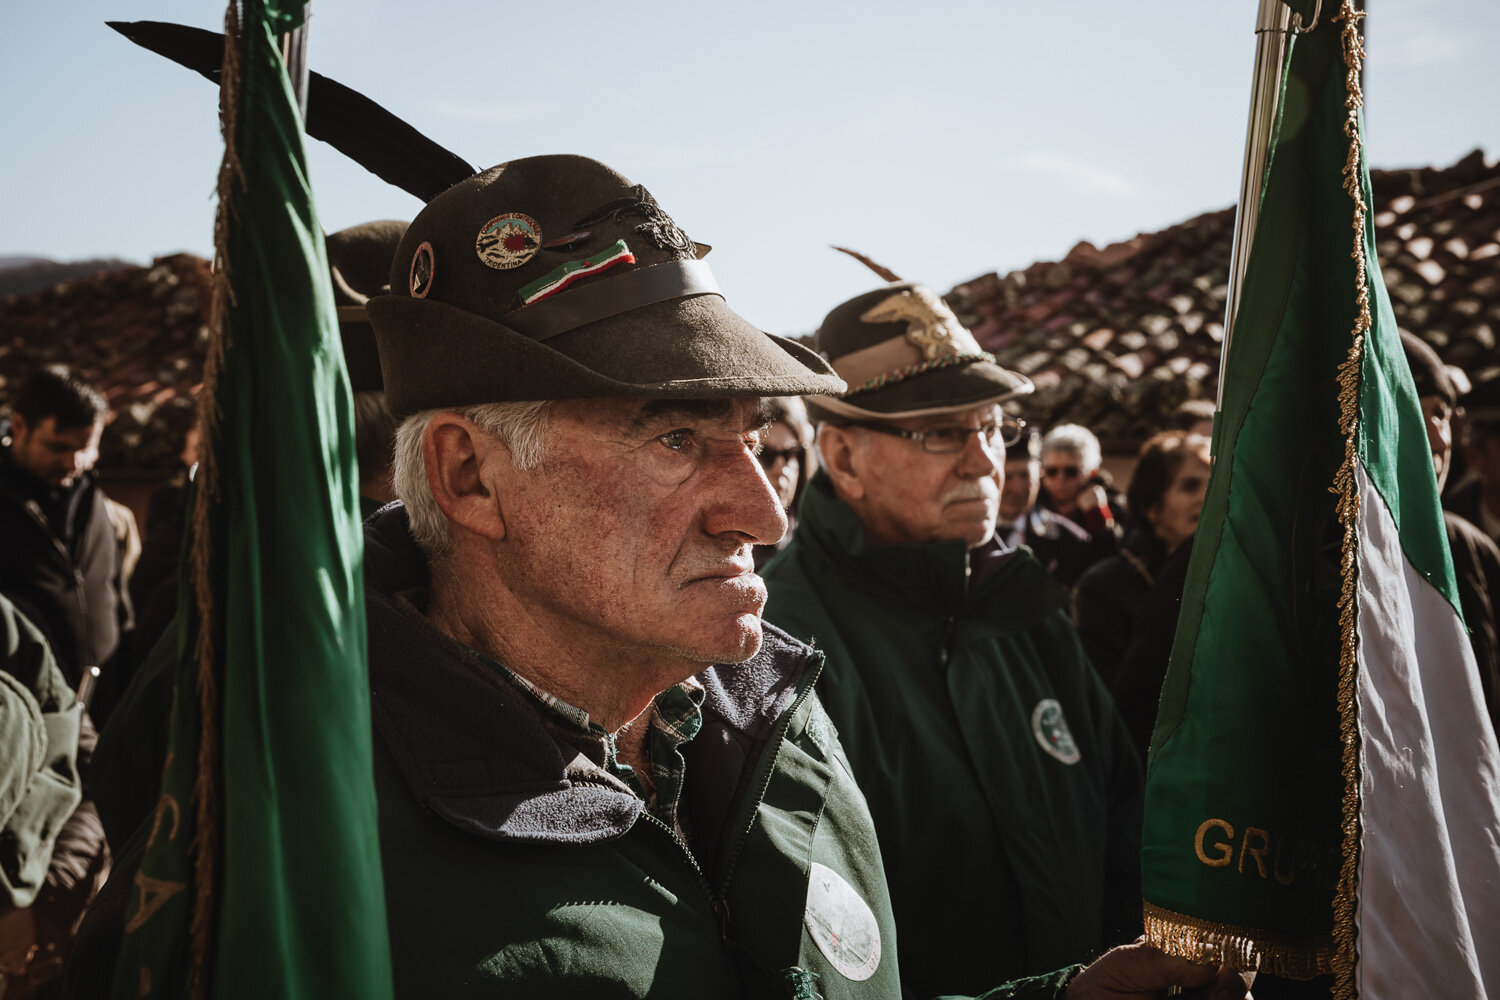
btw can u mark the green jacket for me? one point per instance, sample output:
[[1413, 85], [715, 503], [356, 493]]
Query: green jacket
[[517, 866], [39, 780], [997, 770]]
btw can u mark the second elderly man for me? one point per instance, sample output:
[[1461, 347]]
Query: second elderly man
[[1002, 785]]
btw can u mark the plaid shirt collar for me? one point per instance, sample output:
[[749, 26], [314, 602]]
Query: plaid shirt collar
[[676, 717]]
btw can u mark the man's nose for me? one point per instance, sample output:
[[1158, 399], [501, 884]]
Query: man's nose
[[743, 504], [981, 457]]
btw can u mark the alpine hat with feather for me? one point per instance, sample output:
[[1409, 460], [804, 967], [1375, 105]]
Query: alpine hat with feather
[[904, 354], [554, 277]]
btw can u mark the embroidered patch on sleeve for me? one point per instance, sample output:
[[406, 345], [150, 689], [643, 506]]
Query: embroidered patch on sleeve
[[1052, 732], [842, 924], [508, 240], [559, 278]]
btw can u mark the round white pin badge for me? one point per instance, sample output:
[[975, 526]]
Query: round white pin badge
[[842, 924]]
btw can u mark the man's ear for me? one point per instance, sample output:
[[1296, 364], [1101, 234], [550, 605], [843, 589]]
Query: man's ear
[[838, 447], [455, 454], [18, 426]]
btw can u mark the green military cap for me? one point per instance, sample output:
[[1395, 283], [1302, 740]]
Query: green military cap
[[554, 277], [904, 354]]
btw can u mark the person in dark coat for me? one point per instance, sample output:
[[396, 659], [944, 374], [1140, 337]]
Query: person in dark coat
[[1076, 485], [788, 456], [1166, 492], [1476, 557], [970, 715], [61, 563], [1063, 548], [1477, 499]]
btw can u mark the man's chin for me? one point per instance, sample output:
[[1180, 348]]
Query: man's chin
[[734, 642], [973, 533]]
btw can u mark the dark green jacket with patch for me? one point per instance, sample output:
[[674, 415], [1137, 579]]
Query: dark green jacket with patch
[[998, 772], [517, 866]]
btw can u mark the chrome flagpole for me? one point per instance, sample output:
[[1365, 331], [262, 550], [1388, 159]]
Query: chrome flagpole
[[1274, 24]]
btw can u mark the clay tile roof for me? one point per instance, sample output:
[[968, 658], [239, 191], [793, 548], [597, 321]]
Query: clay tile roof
[[1128, 332], [138, 333]]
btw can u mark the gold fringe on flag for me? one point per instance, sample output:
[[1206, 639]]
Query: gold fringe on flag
[[205, 844], [1245, 949], [1345, 898]]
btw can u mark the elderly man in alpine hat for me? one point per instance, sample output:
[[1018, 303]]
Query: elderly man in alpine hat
[[599, 774], [999, 776]]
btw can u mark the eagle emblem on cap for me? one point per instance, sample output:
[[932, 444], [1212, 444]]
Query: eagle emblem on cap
[[930, 324]]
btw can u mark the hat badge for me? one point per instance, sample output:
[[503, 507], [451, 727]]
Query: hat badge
[[422, 268], [508, 241], [930, 324]]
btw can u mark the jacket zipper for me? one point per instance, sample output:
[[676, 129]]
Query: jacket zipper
[[768, 767], [721, 909], [79, 591], [719, 900], [945, 646], [720, 906]]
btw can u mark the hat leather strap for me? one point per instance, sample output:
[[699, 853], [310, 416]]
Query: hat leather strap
[[858, 367], [608, 297]]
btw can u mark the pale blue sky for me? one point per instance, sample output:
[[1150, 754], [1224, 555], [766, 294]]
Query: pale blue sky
[[945, 139]]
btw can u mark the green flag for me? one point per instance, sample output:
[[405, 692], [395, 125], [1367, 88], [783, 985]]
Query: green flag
[[262, 876], [1323, 784]]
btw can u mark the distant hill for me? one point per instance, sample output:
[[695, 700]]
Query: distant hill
[[19, 275]]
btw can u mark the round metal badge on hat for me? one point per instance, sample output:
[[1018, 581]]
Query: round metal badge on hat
[[422, 268], [508, 240]]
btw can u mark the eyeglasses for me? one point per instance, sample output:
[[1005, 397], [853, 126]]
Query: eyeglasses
[[1069, 471], [769, 456], [948, 439]]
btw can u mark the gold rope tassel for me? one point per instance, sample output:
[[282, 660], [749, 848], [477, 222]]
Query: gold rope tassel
[[205, 844], [1207, 942], [1346, 489]]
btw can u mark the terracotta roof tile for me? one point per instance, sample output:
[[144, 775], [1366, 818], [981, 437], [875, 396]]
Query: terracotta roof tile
[[136, 332], [1141, 321]]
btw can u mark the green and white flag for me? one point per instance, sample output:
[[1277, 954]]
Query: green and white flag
[[262, 875], [1324, 786]]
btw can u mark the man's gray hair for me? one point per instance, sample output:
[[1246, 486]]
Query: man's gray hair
[[521, 427], [1077, 440]]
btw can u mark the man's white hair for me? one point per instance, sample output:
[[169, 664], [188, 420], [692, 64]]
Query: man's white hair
[[521, 427], [1076, 440]]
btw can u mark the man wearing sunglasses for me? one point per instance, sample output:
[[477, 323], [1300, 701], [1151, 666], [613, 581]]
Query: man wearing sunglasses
[[998, 773]]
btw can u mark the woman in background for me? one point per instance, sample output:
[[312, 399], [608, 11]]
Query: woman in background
[[1166, 493]]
